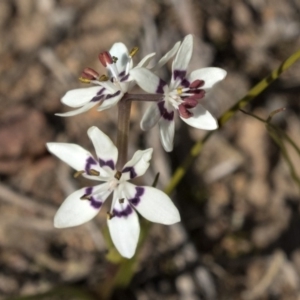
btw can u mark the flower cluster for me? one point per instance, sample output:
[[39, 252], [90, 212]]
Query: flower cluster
[[183, 94]]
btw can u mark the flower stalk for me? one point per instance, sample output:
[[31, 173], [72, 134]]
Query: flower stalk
[[124, 108]]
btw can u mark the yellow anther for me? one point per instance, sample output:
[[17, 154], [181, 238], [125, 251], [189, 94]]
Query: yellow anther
[[114, 59], [109, 215], [84, 80], [103, 78], [85, 197], [121, 200], [93, 172], [118, 175], [179, 90], [133, 51], [78, 173]]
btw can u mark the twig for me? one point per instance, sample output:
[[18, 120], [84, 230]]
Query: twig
[[271, 272]]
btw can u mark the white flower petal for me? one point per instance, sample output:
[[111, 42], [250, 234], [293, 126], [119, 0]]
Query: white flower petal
[[138, 165], [210, 76], [201, 119], [79, 97], [111, 101], [147, 80], [110, 87], [120, 51], [145, 61], [151, 117], [78, 111], [74, 211], [74, 155], [124, 228], [106, 151], [153, 204], [183, 55], [166, 57], [167, 130]]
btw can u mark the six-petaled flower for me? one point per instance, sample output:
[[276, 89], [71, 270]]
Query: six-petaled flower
[[183, 94], [82, 205], [110, 89]]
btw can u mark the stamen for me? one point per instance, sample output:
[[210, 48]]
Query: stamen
[[196, 84], [115, 59], [118, 175], [78, 173], [93, 172], [103, 78], [89, 73], [85, 197], [133, 51], [184, 113], [105, 58], [179, 90], [109, 215], [84, 80], [121, 200]]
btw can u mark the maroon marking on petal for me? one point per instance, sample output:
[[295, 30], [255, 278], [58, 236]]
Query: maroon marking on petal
[[89, 162], [105, 58], [113, 95], [160, 88], [89, 73], [139, 191], [184, 113], [131, 170], [164, 113], [110, 163], [196, 84], [179, 74], [122, 213]]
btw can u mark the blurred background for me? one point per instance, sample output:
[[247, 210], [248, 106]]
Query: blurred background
[[240, 232]]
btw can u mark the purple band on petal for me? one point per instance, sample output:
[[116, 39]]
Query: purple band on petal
[[124, 78], [113, 95], [110, 163], [185, 83], [131, 170], [122, 213], [89, 190], [179, 74], [122, 74], [160, 88], [95, 203], [89, 162], [139, 191], [99, 96], [164, 113]]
